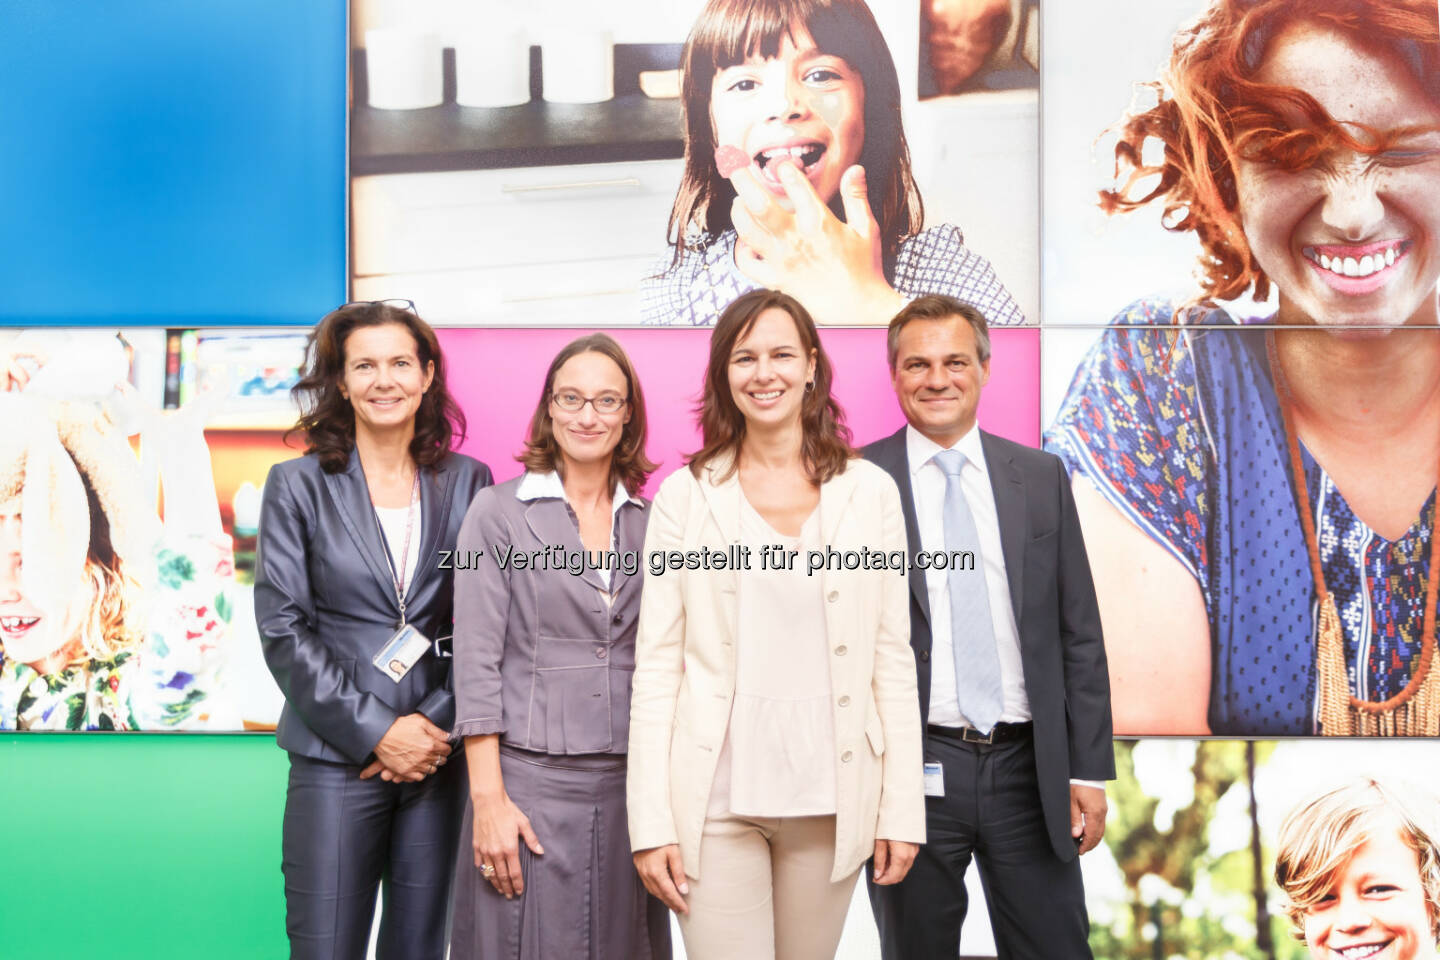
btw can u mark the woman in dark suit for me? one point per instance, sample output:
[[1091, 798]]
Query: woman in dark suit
[[346, 584], [544, 652]]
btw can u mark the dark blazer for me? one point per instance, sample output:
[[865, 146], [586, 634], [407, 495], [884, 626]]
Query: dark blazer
[[1061, 650], [540, 658], [325, 603]]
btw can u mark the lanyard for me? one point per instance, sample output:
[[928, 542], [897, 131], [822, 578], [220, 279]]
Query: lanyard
[[398, 579]]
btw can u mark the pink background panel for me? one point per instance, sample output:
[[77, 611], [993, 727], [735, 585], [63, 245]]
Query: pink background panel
[[496, 376]]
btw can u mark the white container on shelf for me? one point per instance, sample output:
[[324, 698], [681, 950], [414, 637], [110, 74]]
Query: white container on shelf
[[403, 68], [492, 67], [578, 64]]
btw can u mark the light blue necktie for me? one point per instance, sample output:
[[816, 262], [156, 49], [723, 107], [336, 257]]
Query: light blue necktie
[[972, 632]]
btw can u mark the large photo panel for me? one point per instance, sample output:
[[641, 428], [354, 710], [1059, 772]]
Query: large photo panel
[[1246, 400], [1227, 848], [557, 164]]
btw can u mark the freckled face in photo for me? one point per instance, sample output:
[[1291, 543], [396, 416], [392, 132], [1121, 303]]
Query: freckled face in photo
[[1354, 239]]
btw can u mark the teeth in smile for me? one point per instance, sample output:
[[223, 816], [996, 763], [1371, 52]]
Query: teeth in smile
[[17, 623], [767, 395], [1359, 953], [1353, 267], [805, 155]]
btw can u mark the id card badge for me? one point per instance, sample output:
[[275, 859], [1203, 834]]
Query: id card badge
[[934, 780], [401, 652]]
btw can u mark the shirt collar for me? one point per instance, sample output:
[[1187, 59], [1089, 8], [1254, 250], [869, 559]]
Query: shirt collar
[[549, 486], [920, 448]]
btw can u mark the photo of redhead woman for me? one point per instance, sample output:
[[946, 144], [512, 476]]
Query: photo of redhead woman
[[1254, 448]]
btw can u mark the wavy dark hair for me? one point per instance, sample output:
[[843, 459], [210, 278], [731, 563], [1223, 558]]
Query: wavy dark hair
[[327, 419], [1211, 112], [825, 440], [727, 33], [628, 463]]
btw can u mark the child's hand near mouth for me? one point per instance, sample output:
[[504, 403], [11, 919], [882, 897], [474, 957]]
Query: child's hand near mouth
[[797, 245]]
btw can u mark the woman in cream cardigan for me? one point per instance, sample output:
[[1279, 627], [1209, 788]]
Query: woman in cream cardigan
[[774, 726]]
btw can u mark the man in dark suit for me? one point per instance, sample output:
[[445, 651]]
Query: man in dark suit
[[1014, 690]]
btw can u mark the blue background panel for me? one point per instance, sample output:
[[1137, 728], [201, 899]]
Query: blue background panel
[[170, 162]]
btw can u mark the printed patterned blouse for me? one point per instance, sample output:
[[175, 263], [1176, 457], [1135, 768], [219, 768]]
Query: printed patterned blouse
[[693, 292], [168, 682], [1180, 429]]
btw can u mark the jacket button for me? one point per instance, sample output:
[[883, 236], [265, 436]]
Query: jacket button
[[601, 653], [846, 756], [924, 656], [834, 595], [841, 650], [617, 618], [845, 700]]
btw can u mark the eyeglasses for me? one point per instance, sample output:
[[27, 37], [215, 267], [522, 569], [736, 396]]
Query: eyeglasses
[[572, 402], [398, 304]]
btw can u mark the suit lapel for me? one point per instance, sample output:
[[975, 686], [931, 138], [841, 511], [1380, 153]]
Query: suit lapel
[[630, 536], [1009, 489], [434, 518], [892, 456], [549, 520], [351, 496], [835, 499], [723, 498]]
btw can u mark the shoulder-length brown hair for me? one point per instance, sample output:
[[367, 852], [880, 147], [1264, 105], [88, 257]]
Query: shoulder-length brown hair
[[825, 440], [1211, 112], [328, 420], [727, 33], [628, 463]]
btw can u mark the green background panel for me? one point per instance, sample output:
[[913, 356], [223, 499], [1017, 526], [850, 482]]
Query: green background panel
[[145, 846]]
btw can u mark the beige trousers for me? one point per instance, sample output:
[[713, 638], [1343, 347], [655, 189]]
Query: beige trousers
[[765, 892]]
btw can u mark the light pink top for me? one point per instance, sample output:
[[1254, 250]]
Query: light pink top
[[778, 759]]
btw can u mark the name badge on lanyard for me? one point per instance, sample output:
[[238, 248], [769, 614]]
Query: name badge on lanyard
[[406, 645]]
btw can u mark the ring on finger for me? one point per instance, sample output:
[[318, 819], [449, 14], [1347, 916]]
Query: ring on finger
[[487, 870]]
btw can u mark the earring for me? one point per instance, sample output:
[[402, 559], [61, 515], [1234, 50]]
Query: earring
[[809, 386]]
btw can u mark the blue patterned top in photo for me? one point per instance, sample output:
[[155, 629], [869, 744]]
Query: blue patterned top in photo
[[693, 292], [1180, 429]]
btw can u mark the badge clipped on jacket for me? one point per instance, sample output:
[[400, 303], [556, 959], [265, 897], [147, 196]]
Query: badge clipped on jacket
[[401, 652]]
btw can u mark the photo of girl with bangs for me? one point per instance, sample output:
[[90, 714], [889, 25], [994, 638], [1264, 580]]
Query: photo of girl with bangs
[[797, 176], [1259, 501]]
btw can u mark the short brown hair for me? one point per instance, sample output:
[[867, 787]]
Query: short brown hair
[[628, 463], [328, 420], [1210, 112], [825, 440], [1319, 837], [937, 306]]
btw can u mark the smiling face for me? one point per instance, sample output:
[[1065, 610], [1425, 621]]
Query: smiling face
[[938, 377], [1376, 908], [802, 105], [587, 436], [1356, 238], [383, 378], [27, 633], [768, 370]]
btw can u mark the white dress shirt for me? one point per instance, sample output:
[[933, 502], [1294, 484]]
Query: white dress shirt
[[927, 487]]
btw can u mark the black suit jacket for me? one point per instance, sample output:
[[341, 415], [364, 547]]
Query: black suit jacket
[[325, 603], [1061, 649]]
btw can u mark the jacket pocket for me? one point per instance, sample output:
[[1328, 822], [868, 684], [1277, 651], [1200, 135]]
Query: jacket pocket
[[875, 733], [576, 701]]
